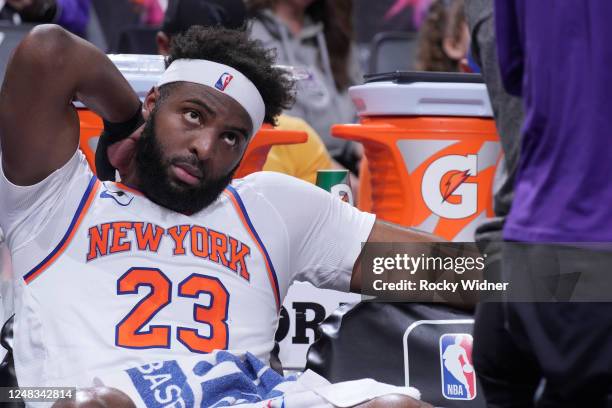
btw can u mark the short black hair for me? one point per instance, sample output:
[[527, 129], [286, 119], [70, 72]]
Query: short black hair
[[235, 49]]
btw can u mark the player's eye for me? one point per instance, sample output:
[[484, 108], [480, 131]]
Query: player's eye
[[230, 138], [192, 117]]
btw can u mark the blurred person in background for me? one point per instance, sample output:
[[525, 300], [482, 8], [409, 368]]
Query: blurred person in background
[[299, 160], [491, 337], [444, 38], [317, 35], [151, 11], [73, 15], [556, 57], [182, 14]]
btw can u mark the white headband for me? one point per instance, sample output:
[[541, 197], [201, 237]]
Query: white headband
[[224, 79]]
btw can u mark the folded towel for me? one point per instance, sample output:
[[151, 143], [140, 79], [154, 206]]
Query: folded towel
[[222, 379]]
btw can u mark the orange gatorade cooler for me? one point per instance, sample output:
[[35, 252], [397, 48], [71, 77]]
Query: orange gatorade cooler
[[143, 72], [431, 148]]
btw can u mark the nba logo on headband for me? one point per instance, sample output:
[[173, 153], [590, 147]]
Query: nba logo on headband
[[223, 81]]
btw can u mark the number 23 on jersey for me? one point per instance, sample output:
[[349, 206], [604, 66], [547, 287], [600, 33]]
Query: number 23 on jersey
[[129, 332]]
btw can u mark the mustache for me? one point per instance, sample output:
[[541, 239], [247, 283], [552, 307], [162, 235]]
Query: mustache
[[198, 168]]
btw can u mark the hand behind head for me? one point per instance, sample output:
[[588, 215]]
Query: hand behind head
[[122, 154]]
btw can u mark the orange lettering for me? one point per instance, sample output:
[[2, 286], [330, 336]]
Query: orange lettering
[[178, 236], [98, 241], [148, 237], [218, 247], [199, 241], [120, 233], [237, 257]]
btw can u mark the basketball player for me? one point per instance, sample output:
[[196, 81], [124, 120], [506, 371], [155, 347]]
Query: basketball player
[[141, 285]]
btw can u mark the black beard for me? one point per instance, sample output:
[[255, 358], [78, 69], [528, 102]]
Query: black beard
[[154, 182]]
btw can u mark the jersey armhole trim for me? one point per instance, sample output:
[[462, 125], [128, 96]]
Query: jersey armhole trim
[[84, 205], [235, 199]]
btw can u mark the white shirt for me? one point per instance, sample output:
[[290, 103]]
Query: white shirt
[[105, 279]]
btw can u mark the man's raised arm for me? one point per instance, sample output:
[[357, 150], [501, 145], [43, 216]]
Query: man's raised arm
[[39, 127], [395, 236]]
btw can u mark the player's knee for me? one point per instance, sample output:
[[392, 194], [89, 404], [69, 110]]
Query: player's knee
[[100, 397], [395, 401]]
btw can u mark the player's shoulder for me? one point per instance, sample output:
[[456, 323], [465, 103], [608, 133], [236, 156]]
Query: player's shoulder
[[275, 189], [263, 181]]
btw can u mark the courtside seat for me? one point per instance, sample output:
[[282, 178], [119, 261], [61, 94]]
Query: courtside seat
[[400, 344]]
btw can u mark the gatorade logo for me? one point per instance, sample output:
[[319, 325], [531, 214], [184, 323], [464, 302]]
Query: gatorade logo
[[445, 189]]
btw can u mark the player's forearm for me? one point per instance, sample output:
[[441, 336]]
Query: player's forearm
[[395, 238], [388, 232], [391, 233]]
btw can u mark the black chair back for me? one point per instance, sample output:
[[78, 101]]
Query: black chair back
[[393, 51], [114, 16], [427, 346], [138, 40]]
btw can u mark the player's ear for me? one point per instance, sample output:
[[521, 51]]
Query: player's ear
[[163, 43], [149, 102]]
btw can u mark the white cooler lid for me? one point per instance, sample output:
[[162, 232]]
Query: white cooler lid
[[422, 94], [141, 71]]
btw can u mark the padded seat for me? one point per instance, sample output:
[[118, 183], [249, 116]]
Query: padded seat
[[399, 344]]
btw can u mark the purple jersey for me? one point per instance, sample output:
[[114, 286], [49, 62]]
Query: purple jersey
[[558, 57]]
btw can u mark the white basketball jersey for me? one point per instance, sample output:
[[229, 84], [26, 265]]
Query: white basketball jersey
[[108, 280]]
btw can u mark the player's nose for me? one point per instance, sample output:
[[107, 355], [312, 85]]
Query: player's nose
[[204, 144]]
